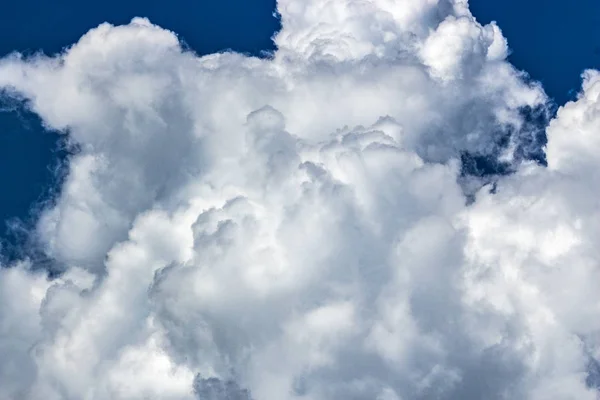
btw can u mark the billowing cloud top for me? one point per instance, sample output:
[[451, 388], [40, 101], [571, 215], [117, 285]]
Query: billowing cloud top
[[297, 227]]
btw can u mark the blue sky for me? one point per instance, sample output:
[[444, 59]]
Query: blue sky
[[552, 40]]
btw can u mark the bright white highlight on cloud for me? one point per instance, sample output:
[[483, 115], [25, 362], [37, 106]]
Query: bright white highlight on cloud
[[297, 227]]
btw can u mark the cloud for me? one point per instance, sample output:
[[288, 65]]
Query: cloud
[[297, 226]]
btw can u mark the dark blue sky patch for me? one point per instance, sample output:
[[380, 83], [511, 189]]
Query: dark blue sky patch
[[553, 40], [206, 26], [32, 167]]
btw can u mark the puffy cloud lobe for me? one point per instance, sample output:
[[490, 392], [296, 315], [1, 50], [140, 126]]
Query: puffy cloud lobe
[[574, 143], [537, 233], [352, 29], [460, 47], [21, 296], [293, 227]]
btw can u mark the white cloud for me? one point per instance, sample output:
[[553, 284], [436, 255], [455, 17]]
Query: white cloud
[[292, 227]]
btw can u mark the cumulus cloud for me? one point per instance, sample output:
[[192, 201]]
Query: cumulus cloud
[[297, 227]]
